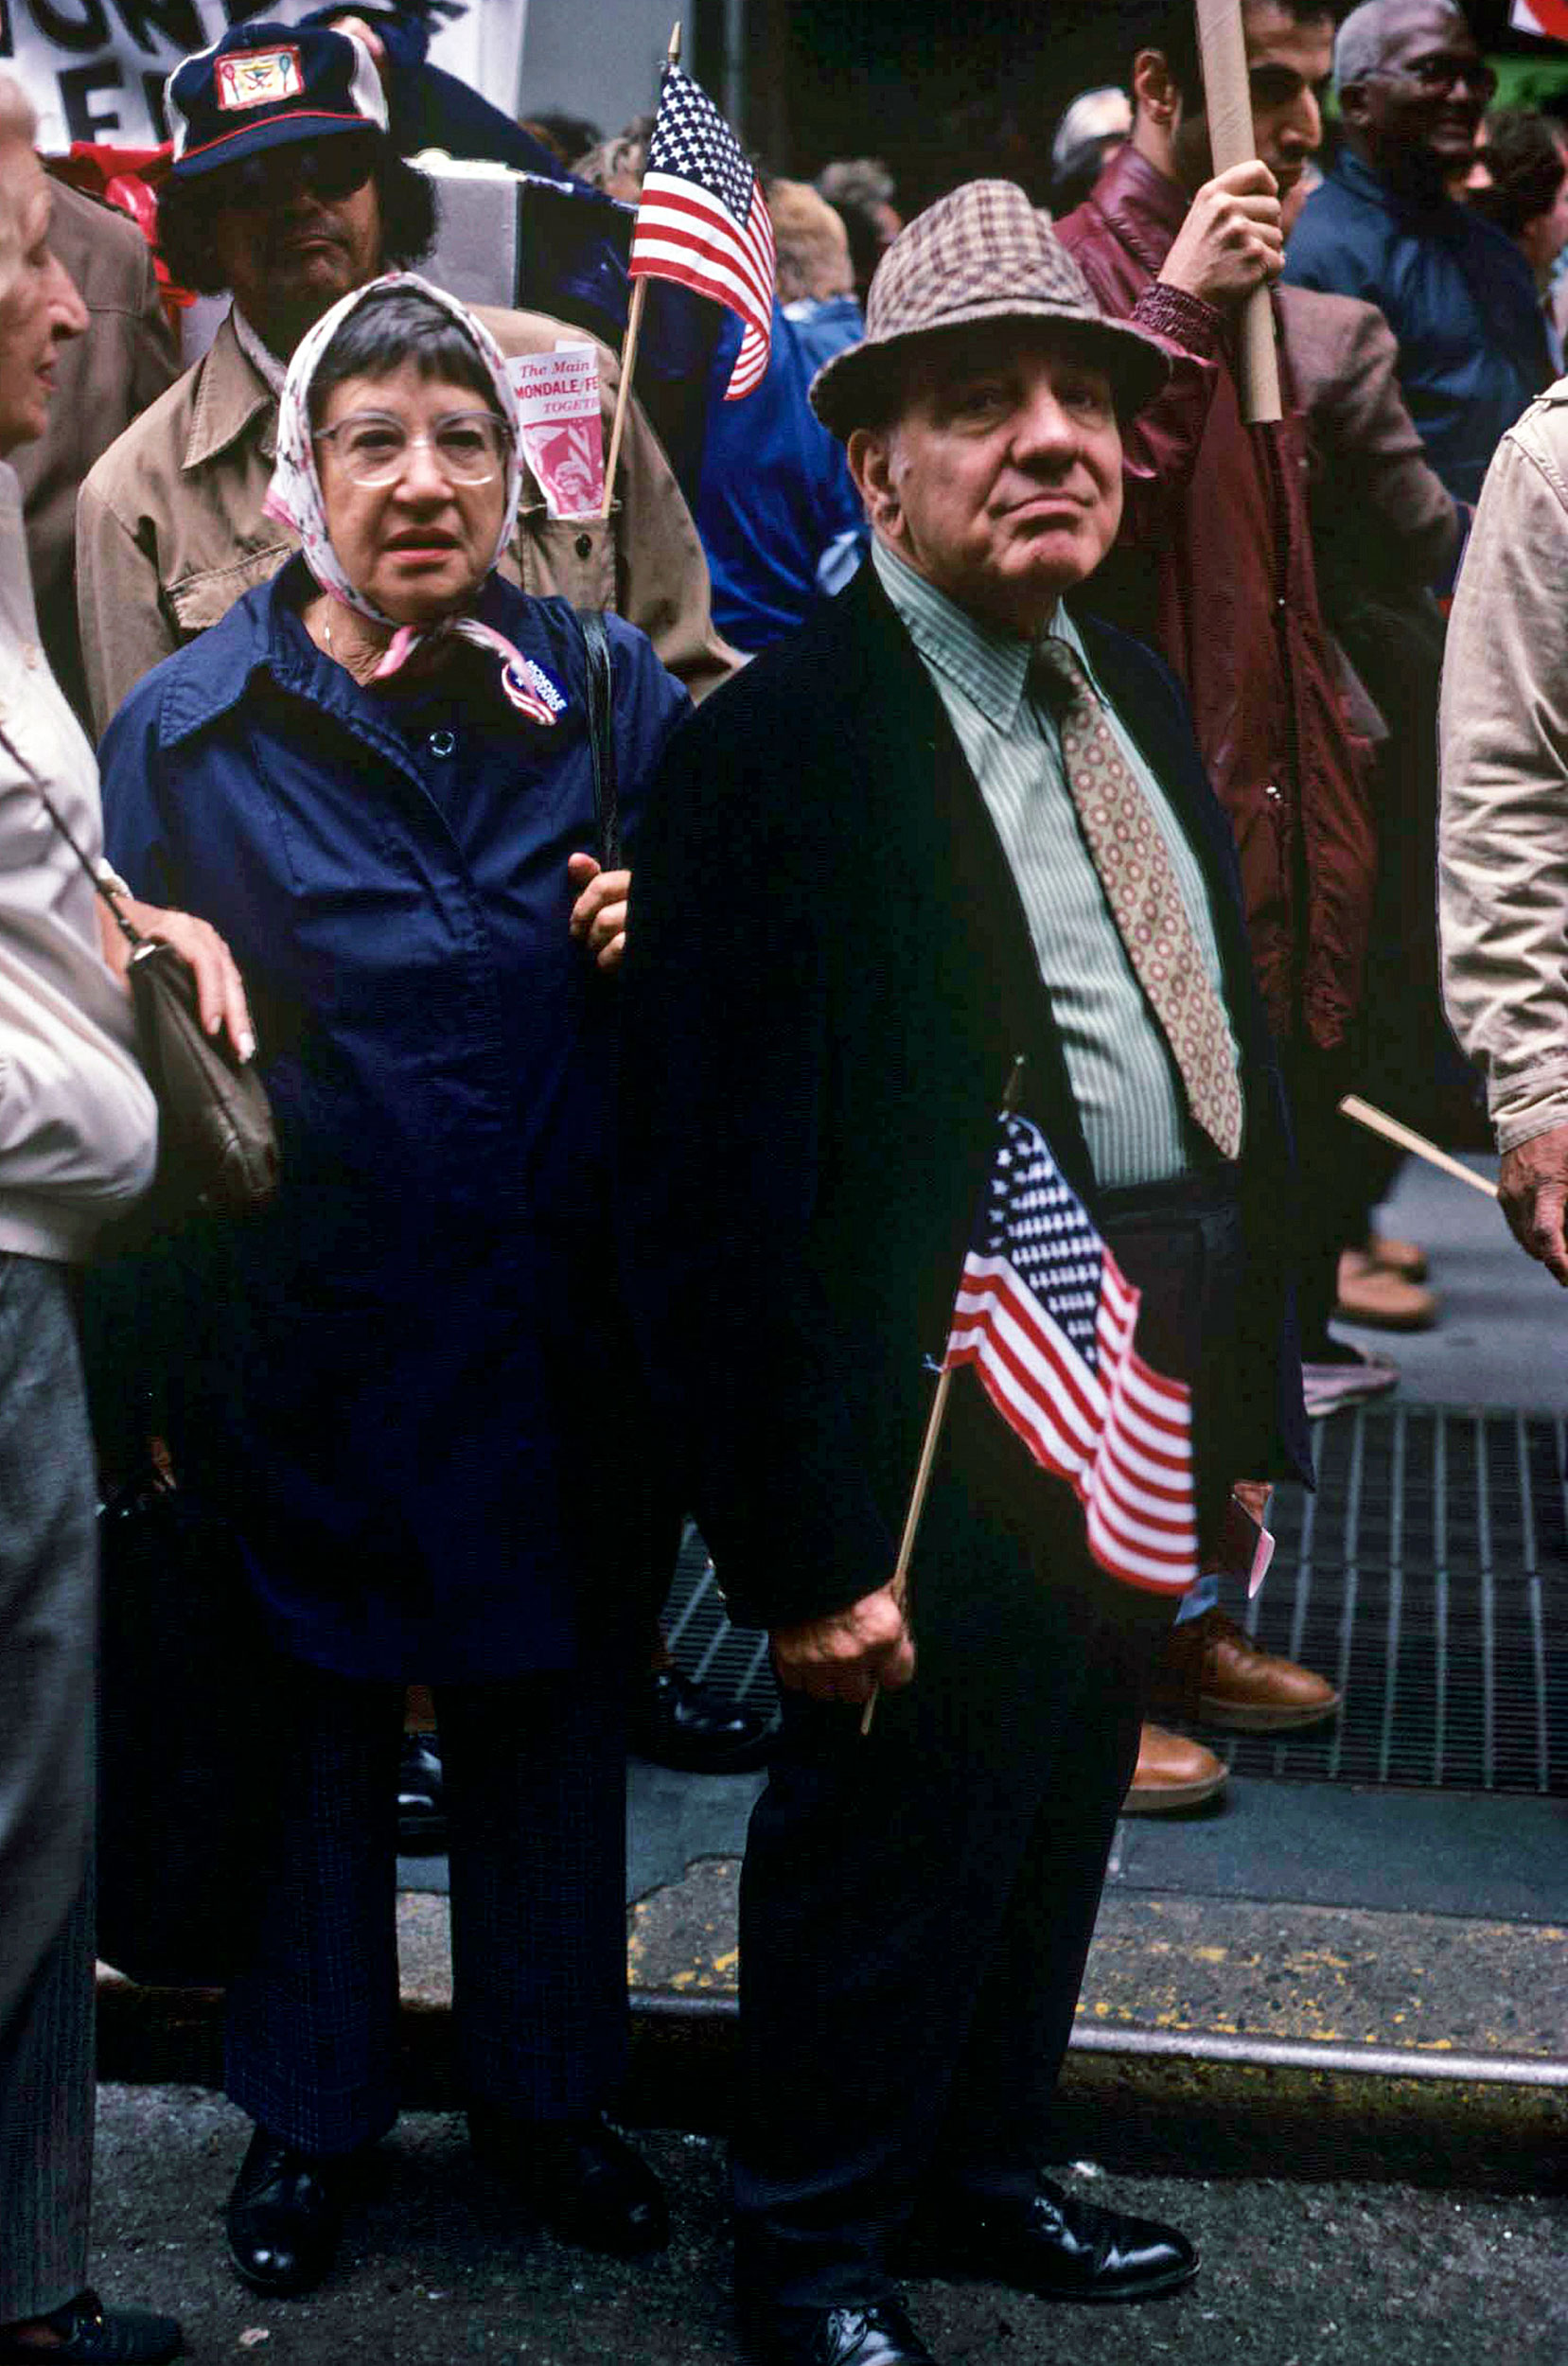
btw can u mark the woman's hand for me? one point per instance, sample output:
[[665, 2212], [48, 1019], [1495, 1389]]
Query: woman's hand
[[599, 915], [220, 990]]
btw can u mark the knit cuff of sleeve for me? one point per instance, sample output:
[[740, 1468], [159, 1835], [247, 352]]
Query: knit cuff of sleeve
[[1530, 1106], [1183, 320]]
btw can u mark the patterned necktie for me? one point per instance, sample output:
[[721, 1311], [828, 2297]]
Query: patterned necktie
[[1139, 879]]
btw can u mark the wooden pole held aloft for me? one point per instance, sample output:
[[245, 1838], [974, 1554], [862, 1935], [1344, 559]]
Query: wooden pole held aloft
[[1228, 97]]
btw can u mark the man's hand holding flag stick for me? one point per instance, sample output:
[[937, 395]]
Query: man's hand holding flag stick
[[1047, 1318]]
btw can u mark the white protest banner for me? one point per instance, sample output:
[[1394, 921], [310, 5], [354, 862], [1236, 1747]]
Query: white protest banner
[[96, 69], [562, 434]]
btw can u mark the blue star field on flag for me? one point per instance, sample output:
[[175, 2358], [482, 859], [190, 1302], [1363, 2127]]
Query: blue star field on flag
[[1030, 1213]]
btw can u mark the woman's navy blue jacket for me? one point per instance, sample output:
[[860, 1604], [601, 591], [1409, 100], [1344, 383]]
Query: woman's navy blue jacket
[[404, 1378]]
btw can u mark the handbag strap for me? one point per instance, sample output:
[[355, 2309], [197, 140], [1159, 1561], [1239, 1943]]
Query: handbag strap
[[132, 934], [601, 734]]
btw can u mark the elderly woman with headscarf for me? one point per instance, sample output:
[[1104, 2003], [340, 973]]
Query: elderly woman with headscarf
[[409, 1390]]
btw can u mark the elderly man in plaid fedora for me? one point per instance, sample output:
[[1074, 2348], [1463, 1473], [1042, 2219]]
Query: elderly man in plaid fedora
[[953, 821]]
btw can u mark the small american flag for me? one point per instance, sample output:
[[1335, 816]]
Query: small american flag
[[1046, 1319], [702, 220]]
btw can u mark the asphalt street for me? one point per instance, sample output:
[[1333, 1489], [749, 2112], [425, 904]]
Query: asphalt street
[[438, 2268]]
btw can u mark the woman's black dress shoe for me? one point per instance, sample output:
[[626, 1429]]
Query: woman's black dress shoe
[[87, 2334], [584, 2181], [693, 1728], [283, 2218], [876, 2333]]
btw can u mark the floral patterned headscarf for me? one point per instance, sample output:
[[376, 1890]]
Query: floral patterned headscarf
[[294, 496]]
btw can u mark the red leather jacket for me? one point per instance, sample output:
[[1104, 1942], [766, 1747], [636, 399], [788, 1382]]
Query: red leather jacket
[[1214, 567]]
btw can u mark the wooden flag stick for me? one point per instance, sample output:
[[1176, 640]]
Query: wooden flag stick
[[928, 1449], [629, 349], [1392, 1131], [1227, 93], [911, 1518]]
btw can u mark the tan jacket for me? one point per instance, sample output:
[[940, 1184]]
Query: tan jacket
[[170, 531], [104, 379], [1502, 849]]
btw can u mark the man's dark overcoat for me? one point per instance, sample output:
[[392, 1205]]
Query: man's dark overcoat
[[829, 974]]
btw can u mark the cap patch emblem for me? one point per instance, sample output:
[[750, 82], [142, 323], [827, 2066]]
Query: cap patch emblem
[[259, 77]]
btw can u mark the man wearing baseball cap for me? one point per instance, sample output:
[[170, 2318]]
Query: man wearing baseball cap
[[895, 853], [285, 189]]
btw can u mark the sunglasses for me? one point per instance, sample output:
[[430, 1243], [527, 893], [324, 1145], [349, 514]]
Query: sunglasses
[[329, 169]]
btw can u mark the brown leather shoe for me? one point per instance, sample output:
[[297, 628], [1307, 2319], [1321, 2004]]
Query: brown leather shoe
[[1379, 1299], [1172, 1773], [1401, 1257], [1211, 1668]]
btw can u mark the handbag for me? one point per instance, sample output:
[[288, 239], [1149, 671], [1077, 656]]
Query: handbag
[[218, 1146]]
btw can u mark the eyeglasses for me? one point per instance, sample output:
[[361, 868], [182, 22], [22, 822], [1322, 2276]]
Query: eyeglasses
[[1441, 73], [372, 447], [329, 169]]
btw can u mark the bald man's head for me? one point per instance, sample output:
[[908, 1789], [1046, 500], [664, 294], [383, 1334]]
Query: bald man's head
[[1411, 88]]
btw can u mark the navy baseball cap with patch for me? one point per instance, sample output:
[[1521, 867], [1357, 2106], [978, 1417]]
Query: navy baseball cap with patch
[[265, 84]]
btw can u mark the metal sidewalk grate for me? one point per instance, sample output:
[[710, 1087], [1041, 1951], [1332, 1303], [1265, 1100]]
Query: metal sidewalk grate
[[1428, 1577]]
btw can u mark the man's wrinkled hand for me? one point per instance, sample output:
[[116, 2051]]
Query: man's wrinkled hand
[[1231, 242], [1532, 1186], [599, 915], [846, 1655]]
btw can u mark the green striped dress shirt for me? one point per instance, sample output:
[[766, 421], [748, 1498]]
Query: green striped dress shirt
[[1124, 1081]]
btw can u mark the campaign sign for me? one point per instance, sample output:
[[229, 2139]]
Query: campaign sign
[[96, 69], [562, 436]]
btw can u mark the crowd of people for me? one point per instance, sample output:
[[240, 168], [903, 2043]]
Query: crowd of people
[[987, 698]]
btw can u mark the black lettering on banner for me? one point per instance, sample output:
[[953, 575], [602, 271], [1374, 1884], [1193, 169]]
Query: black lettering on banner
[[7, 47], [77, 85], [175, 23], [90, 30], [157, 113]]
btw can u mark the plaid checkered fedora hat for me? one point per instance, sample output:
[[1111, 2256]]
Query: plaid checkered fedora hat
[[981, 254]]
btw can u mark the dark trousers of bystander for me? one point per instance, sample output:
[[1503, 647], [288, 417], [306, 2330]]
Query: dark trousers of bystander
[[48, 1579], [917, 1905]]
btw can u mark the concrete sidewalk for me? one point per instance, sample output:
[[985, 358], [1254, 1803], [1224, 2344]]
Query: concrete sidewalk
[[1251, 1966]]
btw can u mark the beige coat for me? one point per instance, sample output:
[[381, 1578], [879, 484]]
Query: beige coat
[[104, 379], [1503, 888], [170, 531]]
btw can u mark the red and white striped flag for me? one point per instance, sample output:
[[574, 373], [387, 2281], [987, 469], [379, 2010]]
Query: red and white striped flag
[[702, 220], [1548, 18], [1047, 1318]]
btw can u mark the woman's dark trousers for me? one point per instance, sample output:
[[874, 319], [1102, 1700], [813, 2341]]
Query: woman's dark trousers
[[534, 1788]]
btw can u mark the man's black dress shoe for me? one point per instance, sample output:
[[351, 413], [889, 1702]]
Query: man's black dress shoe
[[421, 1807], [284, 2217], [583, 2179], [87, 2334], [693, 1728], [876, 2333], [1050, 2243]]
